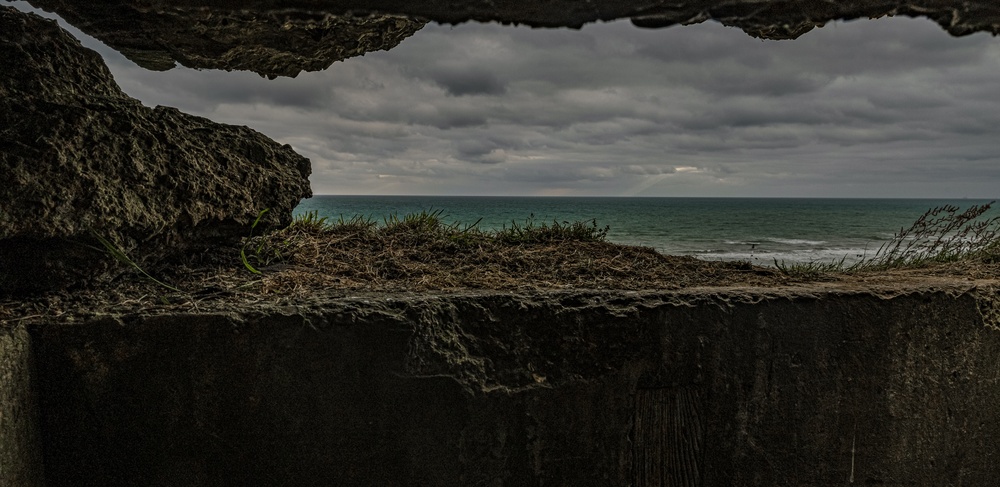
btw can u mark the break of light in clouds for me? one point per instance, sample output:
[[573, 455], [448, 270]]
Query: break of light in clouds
[[888, 108]]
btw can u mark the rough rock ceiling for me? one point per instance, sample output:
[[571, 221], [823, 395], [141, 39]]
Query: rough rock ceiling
[[281, 38], [271, 43]]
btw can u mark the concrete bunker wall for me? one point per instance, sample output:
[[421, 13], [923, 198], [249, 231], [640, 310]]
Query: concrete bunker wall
[[20, 444], [508, 390]]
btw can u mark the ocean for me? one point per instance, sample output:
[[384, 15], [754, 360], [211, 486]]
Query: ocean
[[759, 230]]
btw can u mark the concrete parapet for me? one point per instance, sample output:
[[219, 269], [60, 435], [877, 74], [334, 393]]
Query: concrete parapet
[[599, 389]]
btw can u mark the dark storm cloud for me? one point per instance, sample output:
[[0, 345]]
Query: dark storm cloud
[[475, 80], [892, 107], [483, 151]]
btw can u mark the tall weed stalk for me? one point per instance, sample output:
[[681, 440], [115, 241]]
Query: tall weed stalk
[[119, 255], [243, 250], [942, 234]]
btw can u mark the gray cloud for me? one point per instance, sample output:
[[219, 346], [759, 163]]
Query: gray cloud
[[892, 107], [474, 80]]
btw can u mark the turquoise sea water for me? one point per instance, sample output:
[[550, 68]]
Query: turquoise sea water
[[756, 229]]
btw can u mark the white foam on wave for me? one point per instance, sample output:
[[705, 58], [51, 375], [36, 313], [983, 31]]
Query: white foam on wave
[[746, 243], [796, 241], [767, 258]]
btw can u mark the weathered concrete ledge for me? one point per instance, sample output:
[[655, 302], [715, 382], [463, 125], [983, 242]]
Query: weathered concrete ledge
[[715, 388]]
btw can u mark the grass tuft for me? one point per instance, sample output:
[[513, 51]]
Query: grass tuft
[[429, 228], [531, 233], [810, 270], [310, 220], [942, 234], [243, 250]]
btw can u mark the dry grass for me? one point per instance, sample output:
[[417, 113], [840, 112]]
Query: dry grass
[[312, 260], [420, 252]]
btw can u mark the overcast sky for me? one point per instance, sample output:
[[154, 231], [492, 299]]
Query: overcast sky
[[885, 108]]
